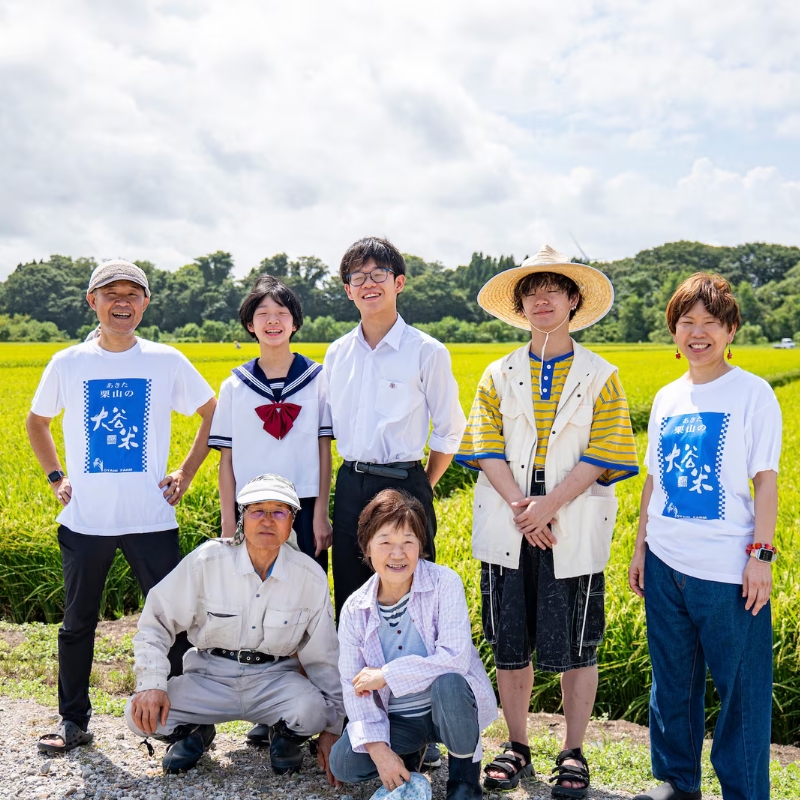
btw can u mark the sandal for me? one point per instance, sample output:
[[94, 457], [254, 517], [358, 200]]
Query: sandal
[[69, 733], [563, 773], [511, 764]]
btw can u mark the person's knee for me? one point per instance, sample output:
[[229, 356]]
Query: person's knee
[[348, 766], [450, 689], [310, 713]]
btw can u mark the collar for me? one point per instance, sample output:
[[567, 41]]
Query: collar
[[538, 360], [423, 582], [244, 565], [393, 335], [302, 371]]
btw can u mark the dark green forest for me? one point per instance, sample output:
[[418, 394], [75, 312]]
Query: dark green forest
[[45, 300]]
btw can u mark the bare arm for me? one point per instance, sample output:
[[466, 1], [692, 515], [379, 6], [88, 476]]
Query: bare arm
[[177, 483], [437, 465], [227, 492], [757, 576], [636, 568], [44, 448], [323, 534]]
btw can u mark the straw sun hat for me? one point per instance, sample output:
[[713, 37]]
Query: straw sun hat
[[497, 295]]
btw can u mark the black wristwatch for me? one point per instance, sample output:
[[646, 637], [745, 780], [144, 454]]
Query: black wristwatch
[[55, 476]]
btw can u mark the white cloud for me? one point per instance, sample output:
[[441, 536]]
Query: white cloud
[[165, 130]]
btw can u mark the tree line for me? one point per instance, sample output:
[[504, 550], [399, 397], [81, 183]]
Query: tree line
[[45, 300]]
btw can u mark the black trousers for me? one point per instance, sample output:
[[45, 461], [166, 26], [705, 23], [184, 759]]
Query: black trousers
[[304, 528], [86, 561], [353, 491]]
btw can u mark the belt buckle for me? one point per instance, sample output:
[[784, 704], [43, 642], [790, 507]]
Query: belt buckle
[[356, 469], [239, 655], [538, 475]]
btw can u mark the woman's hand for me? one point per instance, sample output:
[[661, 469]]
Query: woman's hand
[[756, 584], [391, 769], [636, 572], [370, 679]]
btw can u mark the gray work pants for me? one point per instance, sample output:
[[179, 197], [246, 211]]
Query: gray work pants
[[215, 689]]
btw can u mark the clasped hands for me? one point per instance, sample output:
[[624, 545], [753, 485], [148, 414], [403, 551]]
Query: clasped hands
[[533, 520]]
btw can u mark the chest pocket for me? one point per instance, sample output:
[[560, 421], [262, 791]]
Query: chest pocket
[[394, 399], [513, 427], [222, 625], [284, 630]]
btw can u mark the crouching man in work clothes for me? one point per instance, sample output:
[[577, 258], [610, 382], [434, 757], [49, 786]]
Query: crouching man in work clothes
[[550, 433], [257, 611], [117, 393]]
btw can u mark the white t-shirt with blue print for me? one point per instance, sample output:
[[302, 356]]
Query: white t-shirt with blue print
[[117, 424], [706, 442]]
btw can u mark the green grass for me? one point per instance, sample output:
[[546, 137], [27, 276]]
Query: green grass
[[30, 566]]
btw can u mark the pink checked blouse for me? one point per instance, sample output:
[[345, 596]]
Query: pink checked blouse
[[438, 609]]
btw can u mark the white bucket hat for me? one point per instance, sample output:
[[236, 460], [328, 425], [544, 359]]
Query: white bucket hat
[[597, 294]]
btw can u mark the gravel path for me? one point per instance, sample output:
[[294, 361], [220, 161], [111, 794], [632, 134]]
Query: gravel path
[[115, 766]]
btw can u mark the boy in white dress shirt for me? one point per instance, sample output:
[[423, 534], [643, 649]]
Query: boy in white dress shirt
[[387, 383]]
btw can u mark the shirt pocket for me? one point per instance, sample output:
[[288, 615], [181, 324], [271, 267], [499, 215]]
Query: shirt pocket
[[395, 399], [513, 428], [284, 630], [222, 625]]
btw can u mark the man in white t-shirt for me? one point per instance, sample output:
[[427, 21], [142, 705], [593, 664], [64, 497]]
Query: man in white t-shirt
[[117, 392]]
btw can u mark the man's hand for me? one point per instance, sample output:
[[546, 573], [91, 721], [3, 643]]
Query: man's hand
[[756, 584], [535, 514], [62, 490], [323, 533], [636, 573], [325, 742], [391, 769], [370, 679], [175, 486], [149, 708]]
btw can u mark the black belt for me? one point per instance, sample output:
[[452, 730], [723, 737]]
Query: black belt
[[397, 470], [244, 656]]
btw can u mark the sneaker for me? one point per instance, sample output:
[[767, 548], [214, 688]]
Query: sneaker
[[432, 758]]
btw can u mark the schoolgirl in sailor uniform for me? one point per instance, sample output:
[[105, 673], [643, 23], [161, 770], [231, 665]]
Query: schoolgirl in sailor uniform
[[272, 417]]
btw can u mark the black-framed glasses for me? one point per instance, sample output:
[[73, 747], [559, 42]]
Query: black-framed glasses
[[378, 275]]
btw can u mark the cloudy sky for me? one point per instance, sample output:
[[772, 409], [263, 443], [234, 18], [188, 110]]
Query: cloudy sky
[[170, 128]]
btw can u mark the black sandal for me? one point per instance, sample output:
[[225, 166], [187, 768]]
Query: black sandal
[[69, 733], [514, 768], [569, 772]]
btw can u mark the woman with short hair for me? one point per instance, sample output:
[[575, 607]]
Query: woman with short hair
[[410, 673], [704, 553]]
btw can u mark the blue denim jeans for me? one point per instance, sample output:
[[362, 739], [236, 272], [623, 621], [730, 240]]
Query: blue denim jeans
[[691, 624], [453, 720]]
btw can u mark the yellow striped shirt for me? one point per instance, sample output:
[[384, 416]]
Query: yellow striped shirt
[[611, 442]]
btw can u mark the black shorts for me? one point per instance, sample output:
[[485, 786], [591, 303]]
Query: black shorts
[[529, 609]]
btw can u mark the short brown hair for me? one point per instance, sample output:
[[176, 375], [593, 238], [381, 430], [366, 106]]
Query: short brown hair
[[713, 291], [396, 508], [372, 248], [546, 280]]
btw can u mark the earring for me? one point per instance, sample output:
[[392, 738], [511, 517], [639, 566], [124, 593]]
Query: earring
[[730, 355], [677, 353]]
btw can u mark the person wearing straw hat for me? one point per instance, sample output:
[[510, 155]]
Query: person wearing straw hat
[[118, 393], [550, 433], [260, 617]]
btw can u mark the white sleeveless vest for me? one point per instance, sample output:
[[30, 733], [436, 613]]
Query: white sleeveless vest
[[584, 526]]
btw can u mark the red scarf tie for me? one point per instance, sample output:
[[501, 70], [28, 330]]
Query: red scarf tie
[[278, 418]]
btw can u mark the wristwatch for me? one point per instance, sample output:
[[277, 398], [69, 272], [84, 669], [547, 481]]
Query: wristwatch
[[763, 552], [56, 475]]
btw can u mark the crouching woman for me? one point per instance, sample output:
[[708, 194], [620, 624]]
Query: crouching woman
[[410, 673]]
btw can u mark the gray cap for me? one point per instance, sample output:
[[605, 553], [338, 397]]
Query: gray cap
[[118, 270], [268, 487]]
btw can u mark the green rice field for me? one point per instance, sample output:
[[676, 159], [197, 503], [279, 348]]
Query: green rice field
[[30, 568]]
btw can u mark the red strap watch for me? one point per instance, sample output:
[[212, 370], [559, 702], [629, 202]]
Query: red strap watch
[[763, 552]]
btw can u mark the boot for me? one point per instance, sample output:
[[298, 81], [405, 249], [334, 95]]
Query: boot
[[189, 742], [284, 751]]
